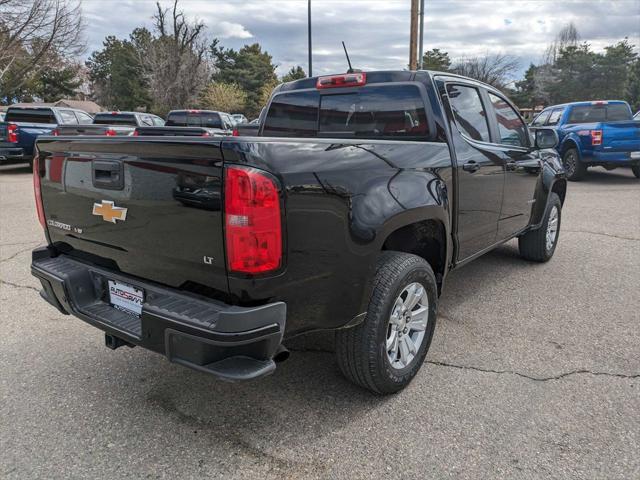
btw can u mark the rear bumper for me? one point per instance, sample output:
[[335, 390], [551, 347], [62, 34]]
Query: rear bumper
[[11, 155], [232, 343]]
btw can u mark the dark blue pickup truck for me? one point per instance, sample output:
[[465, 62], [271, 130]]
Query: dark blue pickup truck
[[22, 125], [601, 133]]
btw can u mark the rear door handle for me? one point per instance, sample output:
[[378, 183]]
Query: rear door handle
[[470, 167], [512, 165]]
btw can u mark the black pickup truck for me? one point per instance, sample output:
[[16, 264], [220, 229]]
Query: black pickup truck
[[361, 192]]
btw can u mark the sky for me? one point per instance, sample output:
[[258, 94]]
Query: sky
[[377, 31]]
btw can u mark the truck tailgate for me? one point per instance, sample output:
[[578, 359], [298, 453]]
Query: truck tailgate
[[152, 208], [621, 136]]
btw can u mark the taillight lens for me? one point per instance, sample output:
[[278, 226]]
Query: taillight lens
[[235, 132], [596, 137], [110, 132], [135, 133], [252, 220], [205, 134], [12, 133], [37, 189], [55, 132]]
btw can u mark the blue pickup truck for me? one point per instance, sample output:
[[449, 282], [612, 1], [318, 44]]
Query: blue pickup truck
[[600, 133], [22, 125]]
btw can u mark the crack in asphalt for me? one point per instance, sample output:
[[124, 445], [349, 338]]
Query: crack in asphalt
[[530, 377], [621, 237], [11, 257], [15, 285]]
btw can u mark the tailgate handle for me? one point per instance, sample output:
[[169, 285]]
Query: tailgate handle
[[108, 174]]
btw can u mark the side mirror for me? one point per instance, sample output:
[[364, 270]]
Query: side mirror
[[546, 138]]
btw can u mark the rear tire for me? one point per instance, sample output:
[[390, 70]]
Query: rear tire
[[573, 167], [539, 245], [386, 350], [636, 170]]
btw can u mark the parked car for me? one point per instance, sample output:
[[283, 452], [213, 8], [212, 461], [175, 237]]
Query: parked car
[[2, 115], [206, 123], [362, 193], [594, 133], [112, 124], [251, 128], [239, 118], [637, 115], [22, 125]]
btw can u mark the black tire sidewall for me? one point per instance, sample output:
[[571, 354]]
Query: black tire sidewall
[[396, 379]]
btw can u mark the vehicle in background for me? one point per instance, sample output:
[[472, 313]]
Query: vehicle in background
[[113, 124], [239, 118], [363, 191], [598, 133], [22, 125], [190, 123], [2, 115], [637, 115], [252, 128]]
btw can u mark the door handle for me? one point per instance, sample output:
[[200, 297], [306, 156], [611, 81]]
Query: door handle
[[470, 167], [511, 166]]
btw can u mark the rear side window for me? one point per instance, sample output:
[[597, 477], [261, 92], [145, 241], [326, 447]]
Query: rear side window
[[510, 125], [293, 115], [374, 112], [31, 115], [115, 119], [83, 118], [599, 113], [468, 112]]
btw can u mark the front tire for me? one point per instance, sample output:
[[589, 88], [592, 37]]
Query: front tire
[[386, 350], [540, 244], [573, 167]]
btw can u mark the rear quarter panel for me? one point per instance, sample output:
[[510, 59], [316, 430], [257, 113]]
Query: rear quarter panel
[[342, 200]]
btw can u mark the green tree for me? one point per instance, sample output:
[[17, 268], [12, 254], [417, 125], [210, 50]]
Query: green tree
[[613, 70], [295, 73], [54, 84], [632, 93], [117, 74], [574, 75], [250, 67], [224, 97], [437, 60]]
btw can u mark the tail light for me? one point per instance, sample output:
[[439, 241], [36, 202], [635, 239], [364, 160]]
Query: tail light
[[252, 220], [346, 80], [135, 133], [37, 189], [55, 132], [235, 133], [12, 133], [596, 137], [110, 132], [205, 134]]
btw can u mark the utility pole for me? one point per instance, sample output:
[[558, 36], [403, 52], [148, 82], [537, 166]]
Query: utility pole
[[421, 49], [309, 29], [413, 38]]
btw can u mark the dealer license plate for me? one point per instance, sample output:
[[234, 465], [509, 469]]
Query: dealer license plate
[[126, 297]]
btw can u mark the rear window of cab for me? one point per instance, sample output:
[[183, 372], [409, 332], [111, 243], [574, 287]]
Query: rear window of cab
[[371, 112], [611, 112]]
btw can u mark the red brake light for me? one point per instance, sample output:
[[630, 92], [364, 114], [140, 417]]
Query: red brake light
[[596, 137], [235, 133], [205, 134], [37, 189], [252, 220], [55, 132], [109, 132], [346, 80], [12, 133], [135, 133]]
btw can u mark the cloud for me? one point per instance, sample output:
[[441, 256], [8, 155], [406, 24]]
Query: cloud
[[230, 30], [377, 31]]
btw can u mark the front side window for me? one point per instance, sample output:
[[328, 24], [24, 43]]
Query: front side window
[[510, 125], [468, 112], [541, 119], [554, 118], [84, 119], [67, 117]]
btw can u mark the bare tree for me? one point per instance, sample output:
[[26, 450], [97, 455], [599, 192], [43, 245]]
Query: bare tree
[[175, 59], [568, 36], [32, 32], [497, 70]]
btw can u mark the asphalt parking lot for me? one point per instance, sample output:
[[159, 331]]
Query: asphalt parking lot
[[534, 372]]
